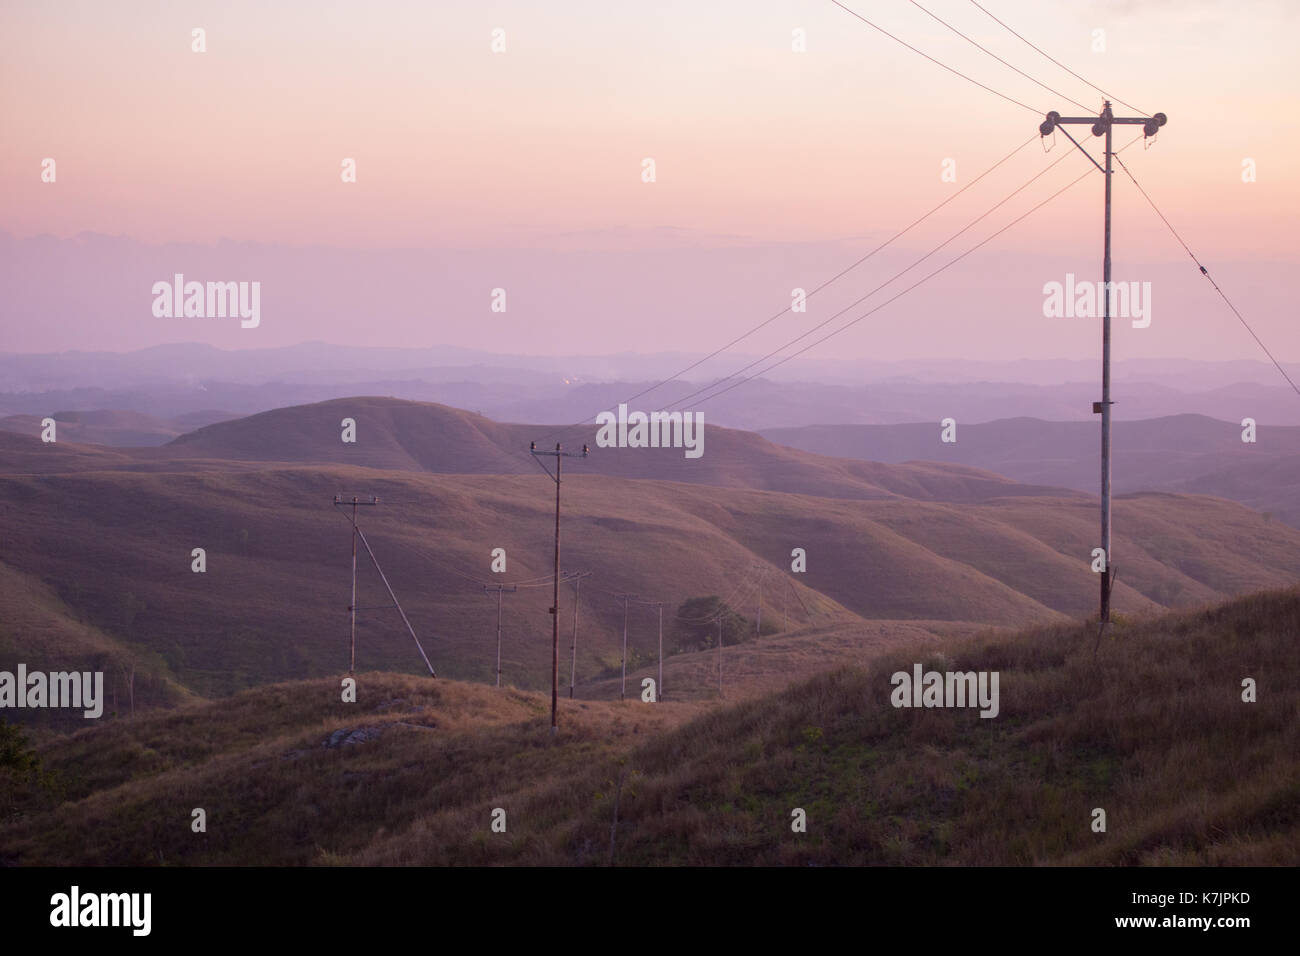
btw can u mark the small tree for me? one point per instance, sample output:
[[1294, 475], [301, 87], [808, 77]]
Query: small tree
[[21, 776], [696, 625]]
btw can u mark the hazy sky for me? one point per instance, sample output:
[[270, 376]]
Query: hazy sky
[[523, 170]]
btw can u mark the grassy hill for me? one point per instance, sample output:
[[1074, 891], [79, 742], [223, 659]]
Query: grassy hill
[[1150, 727], [397, 435], [108, 535], [40, 630], [112, 426], [272, 605], [421, 436]]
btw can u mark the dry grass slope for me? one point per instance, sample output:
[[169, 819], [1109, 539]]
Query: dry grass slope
[[1151, 727]]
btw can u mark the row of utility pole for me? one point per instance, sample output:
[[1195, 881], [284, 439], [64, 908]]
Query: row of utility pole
[[1102, 126], [503, 589], [628, 598], [357, 501]]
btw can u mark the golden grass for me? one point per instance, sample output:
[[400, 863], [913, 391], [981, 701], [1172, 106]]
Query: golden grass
[[1151, 728]]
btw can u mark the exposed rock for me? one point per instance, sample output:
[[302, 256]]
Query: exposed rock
[[347, 735]]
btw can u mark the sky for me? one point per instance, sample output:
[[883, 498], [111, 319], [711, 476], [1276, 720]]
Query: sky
[[523, 169]]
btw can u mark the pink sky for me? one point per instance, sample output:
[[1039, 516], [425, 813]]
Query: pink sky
[[522, 170]]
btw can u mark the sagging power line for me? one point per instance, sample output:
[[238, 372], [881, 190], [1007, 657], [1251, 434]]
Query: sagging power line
[[939, 63], [984, 49], [898, 275], [1033, 46], [1206, 272], [812, 292]]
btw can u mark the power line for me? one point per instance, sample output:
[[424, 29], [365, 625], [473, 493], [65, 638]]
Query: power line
[[839, 275], [908, 289], [1059, 63], [539, 581], [934, 61], [995, 56], [1205, 272], [884, 284]]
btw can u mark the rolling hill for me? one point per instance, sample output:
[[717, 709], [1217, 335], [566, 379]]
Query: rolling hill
[[1150, 726], [114, 543], [419, 436], [112, 427]]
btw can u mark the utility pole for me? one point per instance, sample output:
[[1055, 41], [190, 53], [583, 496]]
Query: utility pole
[[501, 589], [1102, 126], [807, 615], [622, 693], [555, 594], [719, 655], [576, 577], [352, 607], [355, 501], [660, 695], [759, 572]]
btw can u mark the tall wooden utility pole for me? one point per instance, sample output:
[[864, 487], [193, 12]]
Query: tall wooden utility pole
[[555, 593], [1102, 126]]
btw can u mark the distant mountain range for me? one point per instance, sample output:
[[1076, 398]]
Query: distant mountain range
[[186, 379]]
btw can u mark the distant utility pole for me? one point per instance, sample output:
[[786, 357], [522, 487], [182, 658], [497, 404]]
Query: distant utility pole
[[719, 654], [355, 501], [660, 689], [622, 693], [501, 589], [555, 594], [762, 574], [352, 607], [659, 686], [1102, 126], [807, 615], [576, 577]]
